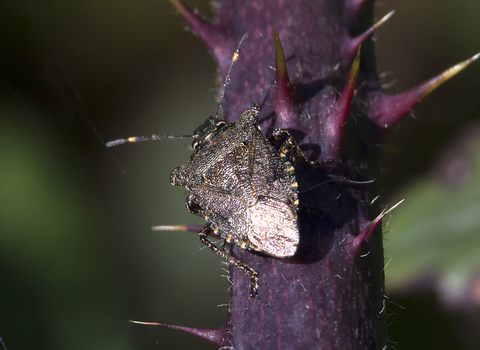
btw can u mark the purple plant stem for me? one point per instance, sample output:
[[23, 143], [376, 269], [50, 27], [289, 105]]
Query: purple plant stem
[[330, 295]]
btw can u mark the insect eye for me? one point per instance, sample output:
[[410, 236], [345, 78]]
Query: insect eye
[[195, 145]]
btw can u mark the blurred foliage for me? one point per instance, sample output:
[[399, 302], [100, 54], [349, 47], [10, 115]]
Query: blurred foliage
[[78, 258], [432, 243], [435, 237]]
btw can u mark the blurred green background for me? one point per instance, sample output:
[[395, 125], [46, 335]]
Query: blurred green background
[[77, 256]]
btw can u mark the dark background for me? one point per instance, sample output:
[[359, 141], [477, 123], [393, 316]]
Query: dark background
[[77, 258]]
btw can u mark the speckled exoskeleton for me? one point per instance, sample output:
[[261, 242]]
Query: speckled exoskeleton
[[243, 187]]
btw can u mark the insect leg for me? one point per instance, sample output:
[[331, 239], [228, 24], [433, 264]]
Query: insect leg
[[290, 146], [247, 270]]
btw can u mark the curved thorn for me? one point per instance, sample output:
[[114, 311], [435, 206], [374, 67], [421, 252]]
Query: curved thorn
[[354, 44], [427, 87], [282, 101], [280, 63], [369, 229], [387, 110], [376, 25], [218, 336], [335, 121], [220, 45]]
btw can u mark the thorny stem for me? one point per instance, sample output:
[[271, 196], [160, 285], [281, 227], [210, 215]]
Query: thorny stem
[[330, 295]]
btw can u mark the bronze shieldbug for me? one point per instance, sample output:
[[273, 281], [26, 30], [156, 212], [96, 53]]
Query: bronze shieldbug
[[243, 186]]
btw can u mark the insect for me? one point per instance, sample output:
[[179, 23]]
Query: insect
[[244, 188]]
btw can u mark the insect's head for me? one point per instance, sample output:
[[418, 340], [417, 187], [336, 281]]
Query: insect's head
[[204, 131]]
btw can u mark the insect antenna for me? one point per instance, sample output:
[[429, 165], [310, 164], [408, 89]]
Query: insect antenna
[[146, 138], [161, 137], [227, 78]]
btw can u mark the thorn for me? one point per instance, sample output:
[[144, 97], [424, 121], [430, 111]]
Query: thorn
[[427, 87], [150, 323], [335, 121], [190, 228], [217, 42], [379, 218], [218, 336], [280, 64], [366, 34], [354, 44], [387, 110], [283, 104], [365, 234]]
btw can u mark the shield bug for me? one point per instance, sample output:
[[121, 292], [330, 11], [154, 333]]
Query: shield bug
[[241, 184]]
